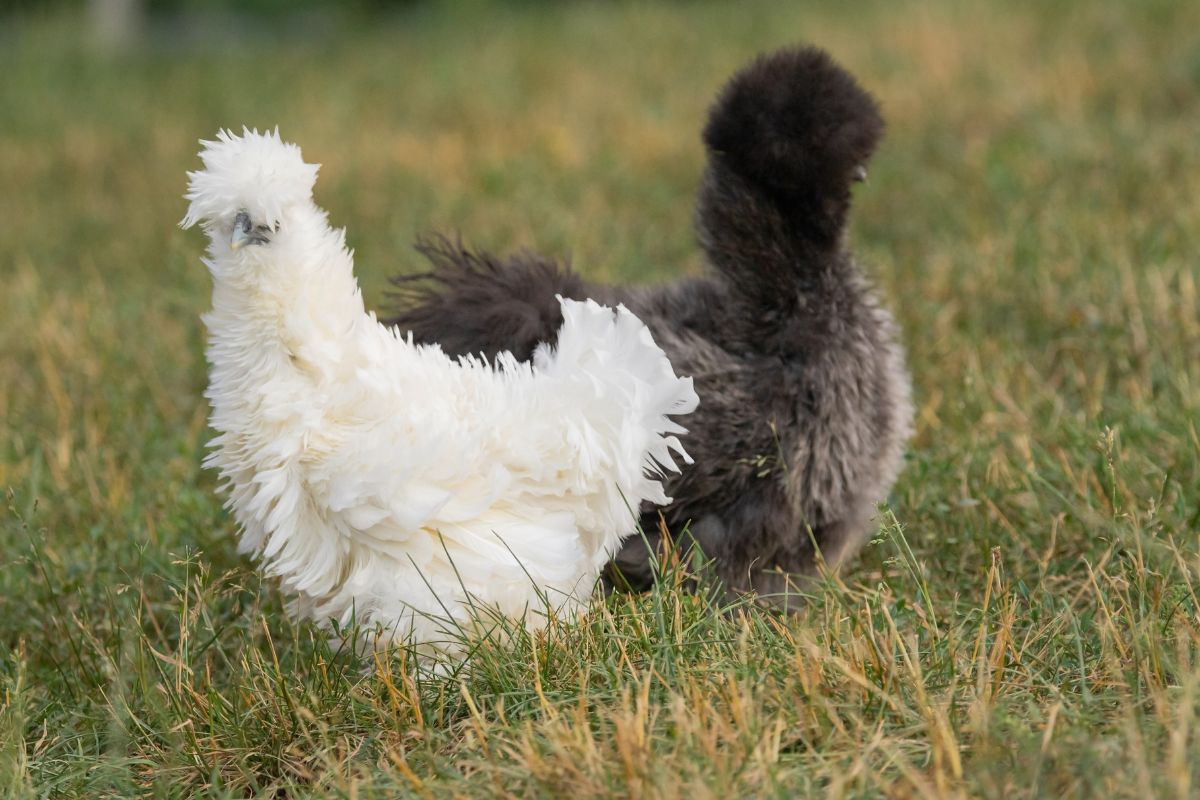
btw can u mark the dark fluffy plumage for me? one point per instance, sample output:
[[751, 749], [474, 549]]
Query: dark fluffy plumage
[[805, 402], [474, 302]]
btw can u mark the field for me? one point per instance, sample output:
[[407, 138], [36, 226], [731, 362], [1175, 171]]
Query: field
[[1027, 622]]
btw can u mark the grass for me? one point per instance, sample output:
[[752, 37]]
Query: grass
[[1026, 623]]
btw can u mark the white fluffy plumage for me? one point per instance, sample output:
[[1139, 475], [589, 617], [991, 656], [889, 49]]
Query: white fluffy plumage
[[388, 482]]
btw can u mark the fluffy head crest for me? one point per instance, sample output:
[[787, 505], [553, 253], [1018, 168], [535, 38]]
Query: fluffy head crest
[[256, 172], [794, 120]]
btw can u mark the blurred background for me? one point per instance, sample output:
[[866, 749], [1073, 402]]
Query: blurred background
[[1032, 215]]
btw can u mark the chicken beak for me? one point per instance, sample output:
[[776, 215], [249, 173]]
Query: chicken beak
[[860, 174], [241, 231]]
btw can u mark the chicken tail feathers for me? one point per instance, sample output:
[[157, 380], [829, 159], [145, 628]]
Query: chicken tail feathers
[[610, 364], [471, 302], [787, 138]]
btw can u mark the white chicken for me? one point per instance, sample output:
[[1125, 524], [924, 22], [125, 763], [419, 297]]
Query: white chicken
[[387, 482]]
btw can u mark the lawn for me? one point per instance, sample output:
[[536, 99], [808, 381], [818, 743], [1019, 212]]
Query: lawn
[[1027, 622]]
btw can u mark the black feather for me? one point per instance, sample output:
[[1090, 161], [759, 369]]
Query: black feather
[[476, 303], [804, 399]]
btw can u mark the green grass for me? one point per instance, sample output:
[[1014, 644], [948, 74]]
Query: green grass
[[1027, 622]]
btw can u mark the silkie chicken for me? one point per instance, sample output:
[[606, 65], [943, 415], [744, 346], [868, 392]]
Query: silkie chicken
[[388, 482], [805, 400]]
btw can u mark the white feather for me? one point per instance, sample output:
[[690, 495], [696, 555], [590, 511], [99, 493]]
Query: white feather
[[385, 481]]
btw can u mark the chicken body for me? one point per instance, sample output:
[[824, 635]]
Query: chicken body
[[386, 481], [806, 404]]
